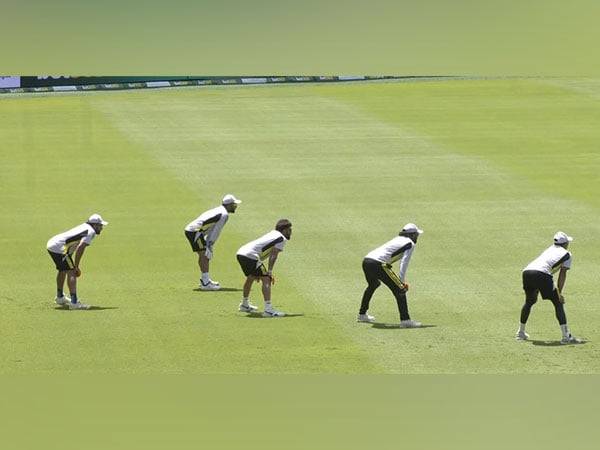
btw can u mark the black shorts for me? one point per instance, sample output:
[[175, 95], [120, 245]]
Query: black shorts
[[196, 240], [63, 262], [535, 281], [251, 267]]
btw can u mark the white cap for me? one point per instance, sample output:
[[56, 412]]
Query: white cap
[[411, 228], [229, 199], [96, 218], [562, 238]]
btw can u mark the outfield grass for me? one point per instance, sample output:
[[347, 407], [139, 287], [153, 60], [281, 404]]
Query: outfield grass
[[489, 168]]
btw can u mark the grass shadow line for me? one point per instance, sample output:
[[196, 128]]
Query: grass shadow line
[[396, 326], [258, 315], [92, 308], [223, 289]]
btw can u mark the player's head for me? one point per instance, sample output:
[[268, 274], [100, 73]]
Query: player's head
[[97, 223], [411, 231], [284, 226], [230, 203], [562, 239]]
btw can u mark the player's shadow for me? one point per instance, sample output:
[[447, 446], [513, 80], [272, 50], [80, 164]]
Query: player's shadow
[[223, 289], [396, 326], [258, 315], [553, 343], [91, 308]]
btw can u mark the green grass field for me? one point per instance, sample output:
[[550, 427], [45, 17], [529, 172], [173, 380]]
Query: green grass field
[[490, 169]]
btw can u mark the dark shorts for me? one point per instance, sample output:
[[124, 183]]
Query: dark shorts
[[63, 262], [251, 267], [535, 281], [196, 240]]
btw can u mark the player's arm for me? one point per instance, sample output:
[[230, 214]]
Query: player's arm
[[560, 284], [78, 255], [404, 266], [272, 259], [215, 231]]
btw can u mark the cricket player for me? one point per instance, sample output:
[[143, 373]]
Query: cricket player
[[377, 267], [251, 257], [537, 277], [203, 232], [62, 247]]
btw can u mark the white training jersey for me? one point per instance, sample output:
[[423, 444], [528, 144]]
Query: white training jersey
[[551, 260], [69, 240], [262, 247], [209, 223], [400, 247]]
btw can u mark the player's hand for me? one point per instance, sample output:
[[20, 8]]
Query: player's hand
[[77, 272], [405, 286], [272, 278], [561, 298], [208, 253]]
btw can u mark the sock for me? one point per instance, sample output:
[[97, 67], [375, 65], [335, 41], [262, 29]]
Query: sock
[[522, 328], [268, 306], [73, 297], [59, 293], [205, 278], [565, 330], [245, 301]]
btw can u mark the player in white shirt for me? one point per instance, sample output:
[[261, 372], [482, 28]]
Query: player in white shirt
[[251, 257], [203, 232], [62, 247], [377, 267], [537, 277]]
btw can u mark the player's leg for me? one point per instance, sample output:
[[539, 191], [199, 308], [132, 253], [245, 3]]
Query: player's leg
[[248, 267], [391, 280], [62, 267], [567, 337], [369, 268], [266, 291], [531, 285]]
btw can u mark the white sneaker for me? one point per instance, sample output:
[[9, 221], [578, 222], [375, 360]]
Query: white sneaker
[[209, 287], [365, 318], [78, 305], [62, 301], [273, 313], [249, 308], [410, 324], [521, 336], [214, 282], [570, 340]]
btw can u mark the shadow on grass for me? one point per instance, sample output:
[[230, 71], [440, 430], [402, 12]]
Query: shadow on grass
[[223, 289], [258, 315], [553, 343], [396, 326], [92, 308]]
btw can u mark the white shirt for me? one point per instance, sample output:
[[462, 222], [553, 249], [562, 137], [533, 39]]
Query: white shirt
[[210, 223], [262, 247], [551, 260], [68, 241], [400, 247]]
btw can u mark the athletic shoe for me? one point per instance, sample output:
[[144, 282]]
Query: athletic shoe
[[249, 308], [570, 340], [365, 318], [521, 336], [79, 305], [409, 324], [273, 313], [214, 282], [62, 301], [210, 286]]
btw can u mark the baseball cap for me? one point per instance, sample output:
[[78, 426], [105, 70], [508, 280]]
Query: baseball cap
[[229, 199], [562, 238], [96, 218], [411, 228]]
